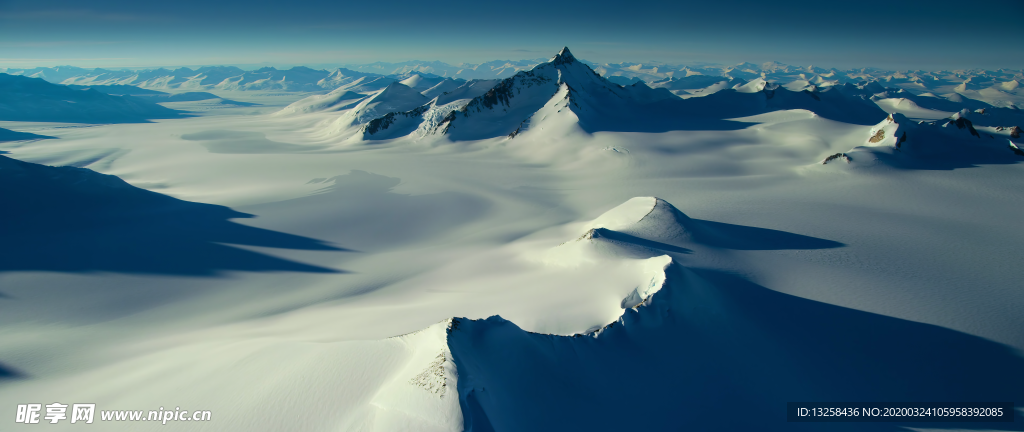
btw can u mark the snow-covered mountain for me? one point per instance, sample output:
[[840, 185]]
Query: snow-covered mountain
[[965, 89], [396, 97], [33, 99], [467, 71], [422, 83], [566, 93], [336, 100], [210, 78], [698, 329], [352, 80], [900, 141], [446, 86], [567, 246], [562, 88]]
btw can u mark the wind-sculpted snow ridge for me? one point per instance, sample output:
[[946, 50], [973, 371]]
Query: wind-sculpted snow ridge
[[33, 99], [336, 100], [423, 394], [696, 343], [396, 97], [644, 234], [342, 77], [422, 82], [428, 389], [446, 87], [376, 128], [425, 119], [900, 141], [639, 227], [643, 228], [344, 96]]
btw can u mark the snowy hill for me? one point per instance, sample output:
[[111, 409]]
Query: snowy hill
[[336, 100], [445, 86], [33, 99], [396, 97], [340, 77], [641, 228], [566, 246], [693, 82], [688, 324], [954, 141], [421, 83]]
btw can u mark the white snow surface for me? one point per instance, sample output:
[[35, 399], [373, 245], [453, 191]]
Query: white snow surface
[[582, 273]]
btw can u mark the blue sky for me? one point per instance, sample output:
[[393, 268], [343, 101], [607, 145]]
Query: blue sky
[[892, 34]]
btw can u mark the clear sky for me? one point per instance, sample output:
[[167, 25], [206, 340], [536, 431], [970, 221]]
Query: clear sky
[[901, 34]]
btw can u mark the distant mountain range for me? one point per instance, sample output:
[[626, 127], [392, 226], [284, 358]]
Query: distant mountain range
[[388, 100], [999, 87], [32, 99], [565, 94]]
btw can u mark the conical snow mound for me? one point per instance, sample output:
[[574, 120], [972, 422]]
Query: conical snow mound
[[642, 228], [649, 218]]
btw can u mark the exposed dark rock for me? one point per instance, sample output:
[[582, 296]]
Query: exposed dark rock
[[878, 136], [836, 156], [381, 123], [961, 123], [518, 129]]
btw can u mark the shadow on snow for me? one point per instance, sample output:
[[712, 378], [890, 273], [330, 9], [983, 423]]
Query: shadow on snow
[[716, 352], [75, 220]]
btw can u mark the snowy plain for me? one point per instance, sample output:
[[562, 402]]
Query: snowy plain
[[354, 276]]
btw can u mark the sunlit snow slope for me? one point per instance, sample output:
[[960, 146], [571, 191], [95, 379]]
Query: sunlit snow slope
[[557, 245]]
